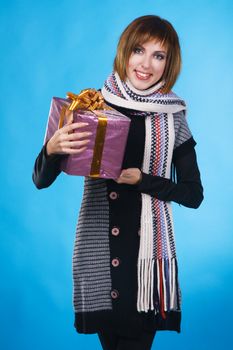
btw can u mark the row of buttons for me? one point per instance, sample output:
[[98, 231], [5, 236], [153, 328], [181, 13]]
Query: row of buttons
[[115, 262], [115, 230]]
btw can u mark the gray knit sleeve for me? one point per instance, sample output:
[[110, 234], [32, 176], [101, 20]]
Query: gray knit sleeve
[[182, 131]]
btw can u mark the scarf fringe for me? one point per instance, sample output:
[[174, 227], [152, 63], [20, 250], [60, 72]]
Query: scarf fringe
[[163, 273]]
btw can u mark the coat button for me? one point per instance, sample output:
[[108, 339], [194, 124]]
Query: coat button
[[114, 294], [115, 262], [113, 195], [115, 231]]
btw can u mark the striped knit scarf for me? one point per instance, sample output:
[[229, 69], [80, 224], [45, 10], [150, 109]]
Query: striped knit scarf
[[157, 265]]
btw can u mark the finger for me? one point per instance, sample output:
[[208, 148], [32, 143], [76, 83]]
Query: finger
[[73, 150], [64, 136], [69, 122], [125, 172], [74, 144], [70, 127], [122, 174], [125, 176], [129, 170], [78, 135]]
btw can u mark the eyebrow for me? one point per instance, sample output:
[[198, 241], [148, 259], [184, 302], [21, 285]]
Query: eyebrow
[[159, 51]]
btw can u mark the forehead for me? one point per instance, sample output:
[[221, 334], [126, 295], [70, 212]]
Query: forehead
[[154, 45]]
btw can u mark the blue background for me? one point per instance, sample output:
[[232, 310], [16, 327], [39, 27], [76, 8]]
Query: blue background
[[49, 48]]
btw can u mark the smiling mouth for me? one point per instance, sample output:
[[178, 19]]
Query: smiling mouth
[[142, 76]]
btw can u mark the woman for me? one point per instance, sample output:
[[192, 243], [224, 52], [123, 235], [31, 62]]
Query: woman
[[124, 264]]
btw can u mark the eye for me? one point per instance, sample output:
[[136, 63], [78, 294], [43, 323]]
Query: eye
[[137, 50], [159, 56]]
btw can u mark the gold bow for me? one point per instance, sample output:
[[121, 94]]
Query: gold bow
[[87, 99]]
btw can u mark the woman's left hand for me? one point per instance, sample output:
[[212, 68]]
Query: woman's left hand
[[130, 176]]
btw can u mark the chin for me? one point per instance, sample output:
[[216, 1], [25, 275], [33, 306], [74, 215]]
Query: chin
[[142, 86]]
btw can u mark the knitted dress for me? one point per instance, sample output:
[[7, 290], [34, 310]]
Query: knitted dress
[[123, 204]]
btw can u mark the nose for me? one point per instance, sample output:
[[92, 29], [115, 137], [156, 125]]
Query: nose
[[145, 63]]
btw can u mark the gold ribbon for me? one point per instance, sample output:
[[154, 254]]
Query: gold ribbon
[[92, 100], [99, 145]]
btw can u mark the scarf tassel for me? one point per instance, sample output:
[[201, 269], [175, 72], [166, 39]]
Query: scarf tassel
[[164, 298]]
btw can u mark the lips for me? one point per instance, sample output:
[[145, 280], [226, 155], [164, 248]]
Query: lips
[[142, 75]]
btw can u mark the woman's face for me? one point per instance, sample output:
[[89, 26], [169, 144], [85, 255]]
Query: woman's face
[[146, 64]]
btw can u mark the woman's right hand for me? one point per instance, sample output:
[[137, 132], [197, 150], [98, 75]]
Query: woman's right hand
[[66, 141]]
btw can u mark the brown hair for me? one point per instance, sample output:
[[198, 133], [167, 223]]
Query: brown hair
[[144, 29]]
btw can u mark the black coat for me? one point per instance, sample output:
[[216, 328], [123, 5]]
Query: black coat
[[124, 229]]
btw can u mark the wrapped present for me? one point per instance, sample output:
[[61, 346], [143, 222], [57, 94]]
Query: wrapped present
[[104, 154]]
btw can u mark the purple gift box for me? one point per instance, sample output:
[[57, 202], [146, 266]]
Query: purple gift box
[[104, 153]]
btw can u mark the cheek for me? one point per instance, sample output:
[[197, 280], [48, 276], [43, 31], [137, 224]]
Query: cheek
[[159, 67], [133, 60], [163, 65]]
